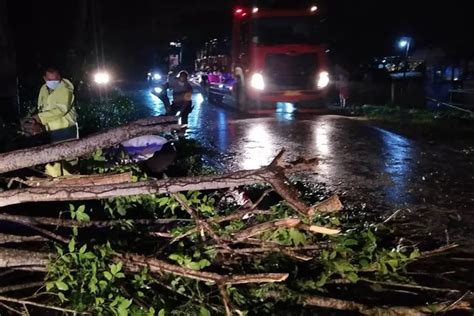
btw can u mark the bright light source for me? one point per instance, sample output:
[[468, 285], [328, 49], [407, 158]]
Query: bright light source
[[323, 80], [244, 14], [102, 77], [156, 76], [313, 8], [221, 86], [238, 11], [149, 74], [257, 82], [158, 90], [403, 43], [254, 10]]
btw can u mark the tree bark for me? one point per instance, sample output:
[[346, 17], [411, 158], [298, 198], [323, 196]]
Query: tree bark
[[78, 180], [270, 174], [30, 157], [13, 258], [135, 262]]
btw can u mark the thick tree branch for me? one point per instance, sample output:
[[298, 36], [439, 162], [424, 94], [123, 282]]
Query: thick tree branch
[[135, 262], [94, 192], [15, 239], [47, 221], [77, 180], [13, 258], [30, 157]]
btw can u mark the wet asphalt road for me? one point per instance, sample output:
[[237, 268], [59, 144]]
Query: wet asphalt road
[[364, 162]]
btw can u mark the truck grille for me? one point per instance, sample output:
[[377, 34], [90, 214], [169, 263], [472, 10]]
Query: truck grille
[[290, 72]]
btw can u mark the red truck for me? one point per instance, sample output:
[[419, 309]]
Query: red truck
[[276, 55]]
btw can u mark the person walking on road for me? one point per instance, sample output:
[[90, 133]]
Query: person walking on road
[[182, 96]]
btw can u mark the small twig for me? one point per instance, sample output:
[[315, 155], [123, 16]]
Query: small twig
[[18, 287], [26, 223], [392, 216], [410, 286], [449, 307], [225, 300], [260, 200], [23, 302], [438, 251], [11, 309], [201, 225]]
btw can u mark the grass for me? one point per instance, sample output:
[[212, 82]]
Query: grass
[[436, 125]]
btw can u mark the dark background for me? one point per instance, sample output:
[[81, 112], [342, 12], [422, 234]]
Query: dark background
[[132, 36]]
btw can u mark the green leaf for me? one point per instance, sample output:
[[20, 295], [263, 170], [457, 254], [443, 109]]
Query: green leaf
[[350, 242], [371, 237], [72, 245], [415, 254], [193, 265], [393, 263], [83, 249], [162, 312], [102, 284], [123, 307], [353, 277], [204, 263], [81, 209], [113, 269], [60, 251], [62, 297], [60, 285], [49, 286], [204, 311], [120, 275], [83, 217], [108, 275], [364, 263], [297, 238], [89, 255]]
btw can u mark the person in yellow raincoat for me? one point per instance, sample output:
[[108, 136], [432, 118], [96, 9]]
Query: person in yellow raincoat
[[56, 113]]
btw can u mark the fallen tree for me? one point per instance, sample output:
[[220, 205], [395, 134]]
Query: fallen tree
[[30, 157], [180, 244]]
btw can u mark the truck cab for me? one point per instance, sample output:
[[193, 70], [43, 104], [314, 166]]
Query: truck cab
[[277, 55]]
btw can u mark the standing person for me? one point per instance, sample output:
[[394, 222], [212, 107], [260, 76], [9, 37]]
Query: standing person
[[56, 113], [182, 96]]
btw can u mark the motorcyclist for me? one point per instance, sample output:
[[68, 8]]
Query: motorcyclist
[[182, 96]]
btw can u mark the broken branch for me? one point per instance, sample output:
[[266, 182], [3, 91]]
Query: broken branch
[[30, 157]]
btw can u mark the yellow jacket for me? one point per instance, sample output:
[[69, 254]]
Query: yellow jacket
[[56, 110]]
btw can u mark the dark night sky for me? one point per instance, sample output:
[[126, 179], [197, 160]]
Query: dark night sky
[[133, 30]]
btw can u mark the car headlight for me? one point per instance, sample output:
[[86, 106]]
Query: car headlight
[[156, 77], [102, 78], [257, 82], [158, 90], [323, 79]]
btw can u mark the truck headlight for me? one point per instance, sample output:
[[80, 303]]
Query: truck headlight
[[323, 79], [257, 82], [156, 76]]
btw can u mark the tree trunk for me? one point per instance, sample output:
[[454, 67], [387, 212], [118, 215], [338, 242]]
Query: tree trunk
[[30, 157]]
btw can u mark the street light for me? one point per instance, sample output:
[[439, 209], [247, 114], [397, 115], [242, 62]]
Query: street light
[[405, 43]]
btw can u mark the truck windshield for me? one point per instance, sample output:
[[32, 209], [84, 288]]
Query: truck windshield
[[287, 30]]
